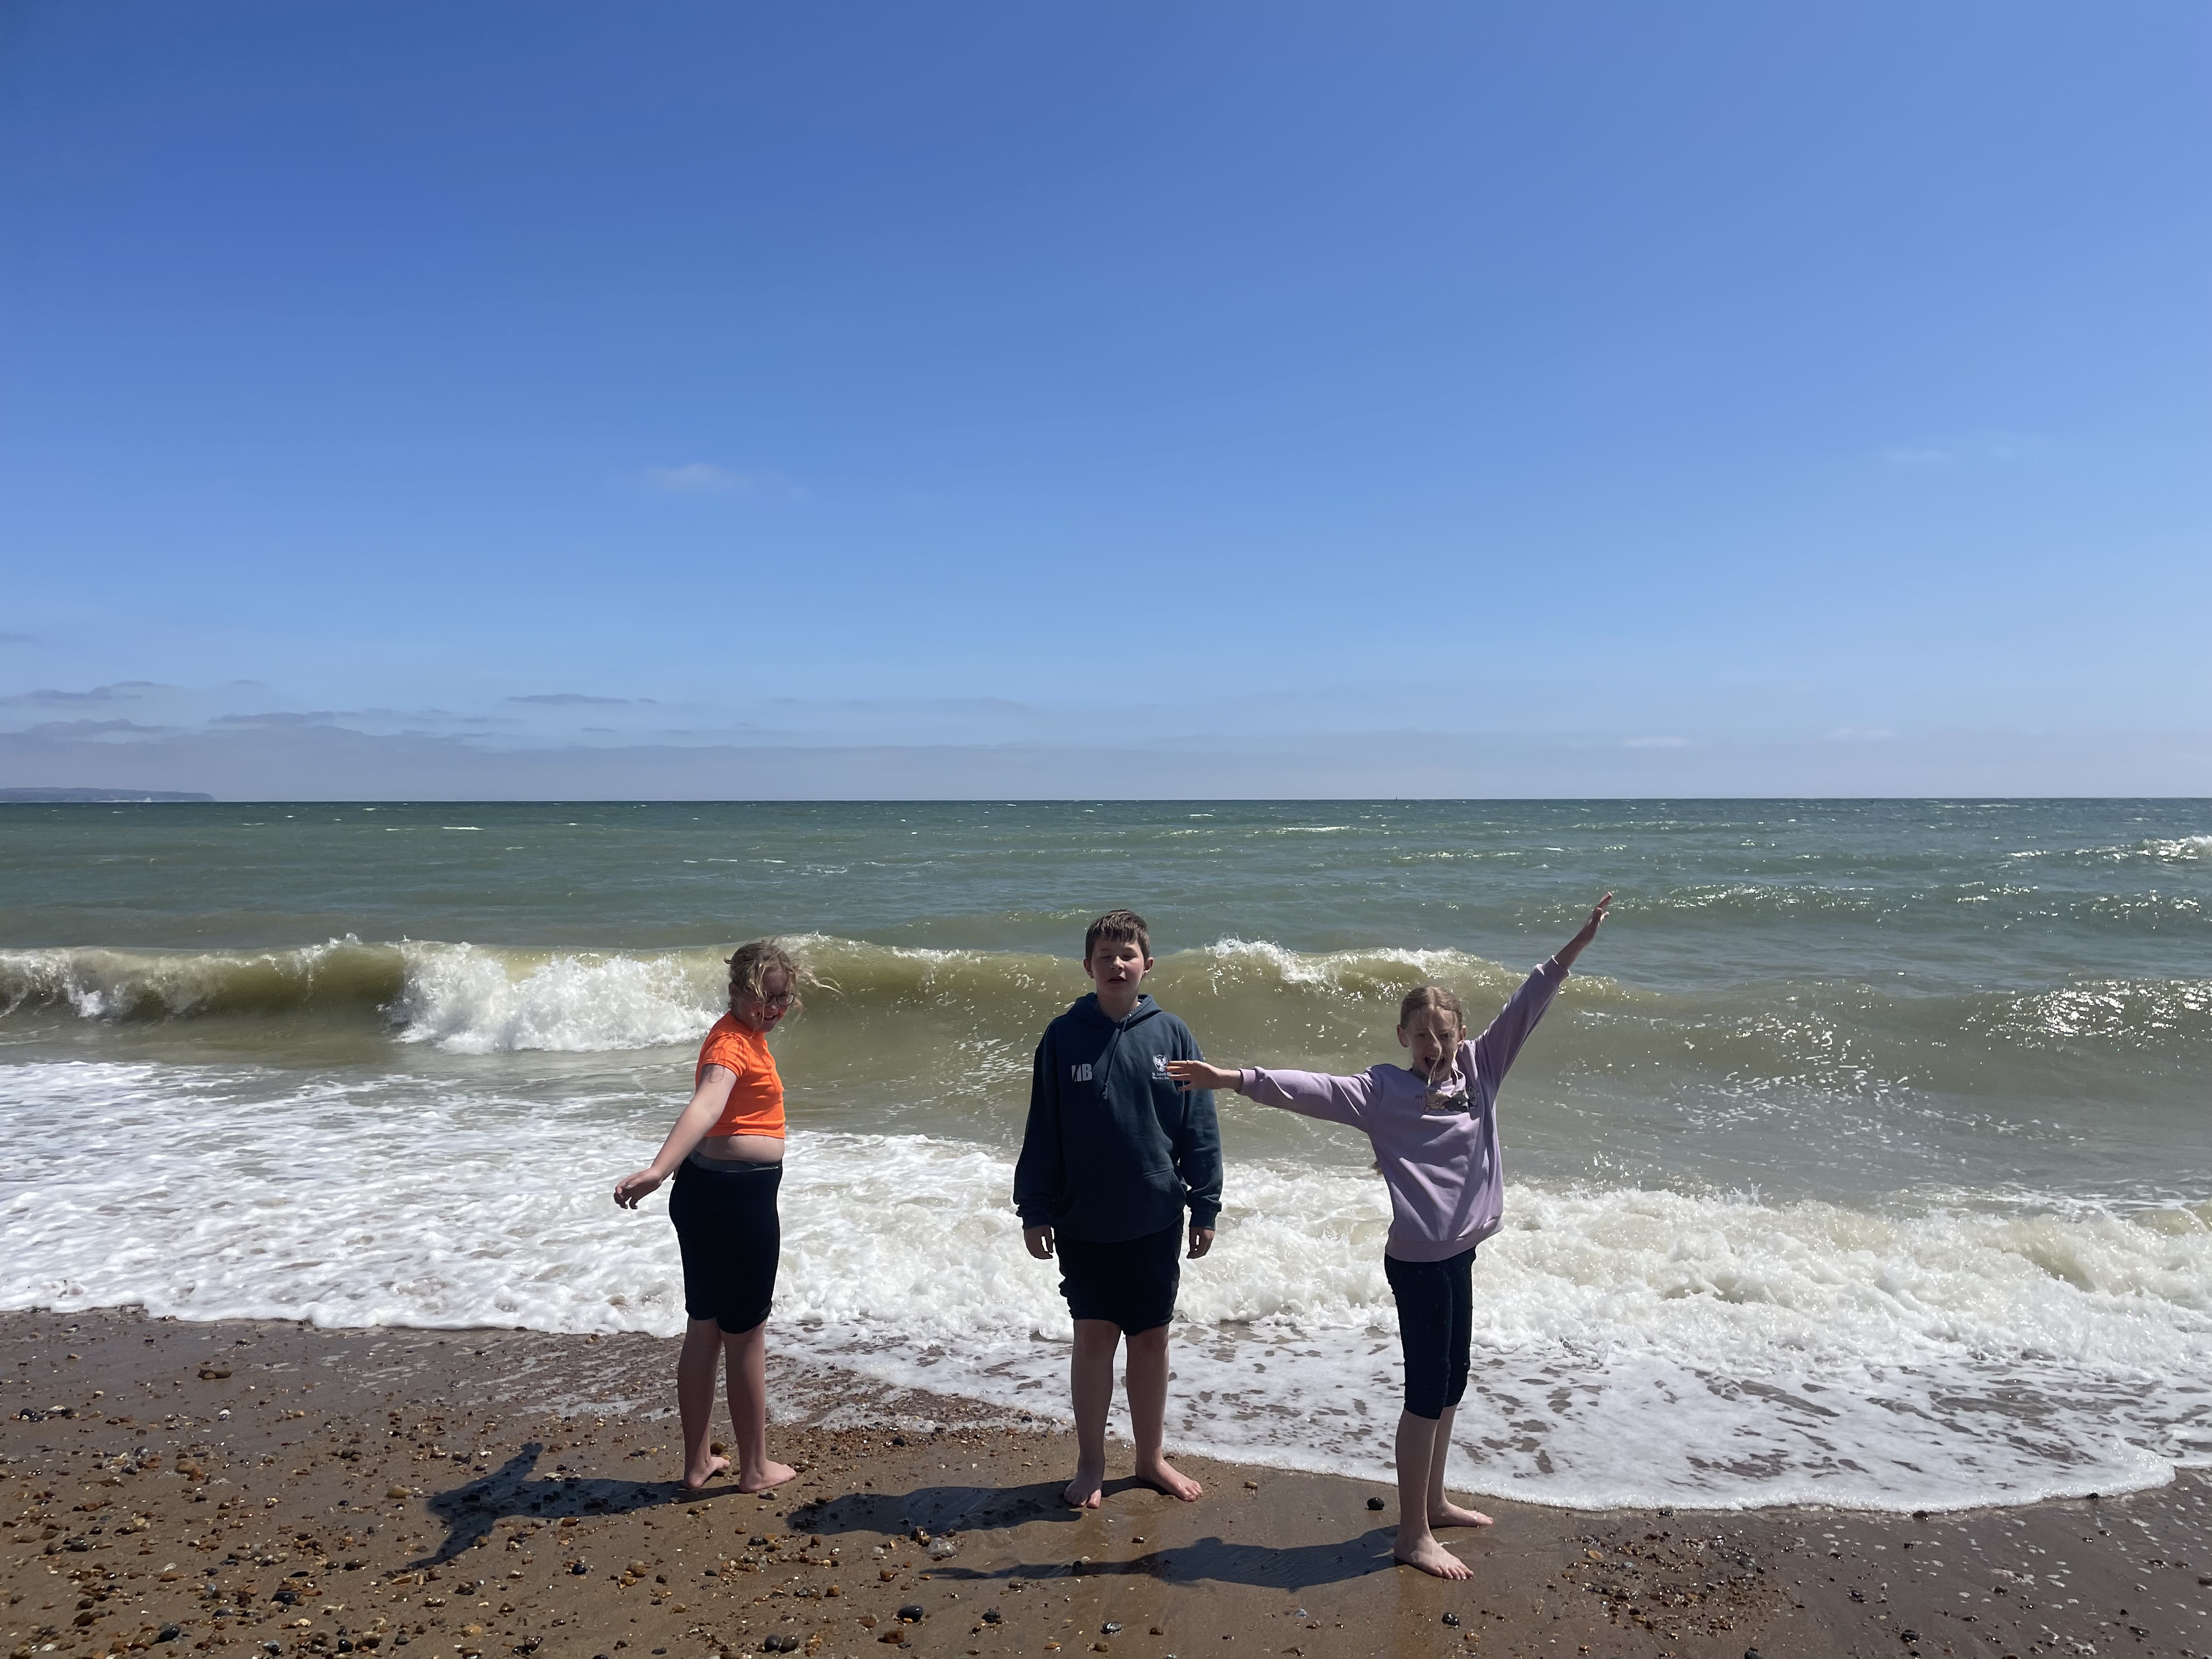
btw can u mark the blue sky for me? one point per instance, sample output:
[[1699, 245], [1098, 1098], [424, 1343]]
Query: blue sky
[[1477, 399]]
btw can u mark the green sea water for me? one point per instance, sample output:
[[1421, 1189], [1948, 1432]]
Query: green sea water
[[1915, 1089]]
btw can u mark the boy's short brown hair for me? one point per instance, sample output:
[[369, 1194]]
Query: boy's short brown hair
[[1117, 927]]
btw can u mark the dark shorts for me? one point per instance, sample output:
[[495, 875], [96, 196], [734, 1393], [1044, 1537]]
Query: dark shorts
[[728, 1227], [1436, 1329], [1131, 1283]]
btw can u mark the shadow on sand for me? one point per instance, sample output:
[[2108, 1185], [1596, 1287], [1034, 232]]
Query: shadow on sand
[[514, 1488], [471, 1511], [971, 1509]]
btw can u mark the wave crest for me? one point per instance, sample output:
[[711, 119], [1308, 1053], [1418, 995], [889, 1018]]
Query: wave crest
[[132, 984], [473, 1001]]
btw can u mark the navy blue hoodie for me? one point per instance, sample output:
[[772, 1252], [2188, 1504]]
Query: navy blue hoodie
[[1114, 1150]]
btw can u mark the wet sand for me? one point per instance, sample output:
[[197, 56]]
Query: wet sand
[[274, 1489]]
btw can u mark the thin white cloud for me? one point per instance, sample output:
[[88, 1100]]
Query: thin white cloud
[[1655, 743], [1995, 448], [699, 477], [709, 478]]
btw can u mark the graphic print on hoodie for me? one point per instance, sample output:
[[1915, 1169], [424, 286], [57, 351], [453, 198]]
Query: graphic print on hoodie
[[1114, 1150]]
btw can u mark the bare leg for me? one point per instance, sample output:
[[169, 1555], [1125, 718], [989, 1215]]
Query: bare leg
[[1443, 1512], [1147, 1382], [1418, 1449], [1091, 1388], [694, 1401], [747, 1368]]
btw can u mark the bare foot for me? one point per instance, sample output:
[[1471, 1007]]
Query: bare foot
[[771, 1475], [1432, 1558], [693, 1480], [1085, 1492], [1448, 1514], [1159, 1472]]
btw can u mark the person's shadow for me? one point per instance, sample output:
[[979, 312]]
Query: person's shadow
[[515, 1488], [954, 1508]]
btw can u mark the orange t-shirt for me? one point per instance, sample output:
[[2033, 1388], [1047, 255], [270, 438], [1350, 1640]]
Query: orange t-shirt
[[756, 1102]]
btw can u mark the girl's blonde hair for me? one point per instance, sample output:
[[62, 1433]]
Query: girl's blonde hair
[[1422, 998], [751, 963]]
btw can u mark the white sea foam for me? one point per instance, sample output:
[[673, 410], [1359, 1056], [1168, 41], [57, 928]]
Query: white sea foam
[[2162, 848], [1263, 960], [1631, 1345], [472, 1001]]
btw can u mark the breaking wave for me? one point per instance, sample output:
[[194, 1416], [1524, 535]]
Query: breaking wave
[[474, 999]]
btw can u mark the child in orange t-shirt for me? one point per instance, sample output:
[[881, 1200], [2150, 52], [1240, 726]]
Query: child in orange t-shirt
[[727, 1154]]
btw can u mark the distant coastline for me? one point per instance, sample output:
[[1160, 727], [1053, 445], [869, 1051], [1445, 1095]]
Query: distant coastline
[[88, 797]]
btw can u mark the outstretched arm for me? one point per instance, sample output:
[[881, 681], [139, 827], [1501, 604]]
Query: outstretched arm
[[707, 1100], [1312, 1094], [1565, 955], [1191, 1074]]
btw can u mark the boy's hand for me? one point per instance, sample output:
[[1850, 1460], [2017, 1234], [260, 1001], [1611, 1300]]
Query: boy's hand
[[1190, 1074], [1039, 1240], [1201, 1240]]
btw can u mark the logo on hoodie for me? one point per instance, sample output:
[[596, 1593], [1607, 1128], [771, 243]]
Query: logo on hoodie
[[1080, 1073], [1159, 1065]]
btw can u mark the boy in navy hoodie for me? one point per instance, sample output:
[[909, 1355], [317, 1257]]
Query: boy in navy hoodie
[[1113, 1154]]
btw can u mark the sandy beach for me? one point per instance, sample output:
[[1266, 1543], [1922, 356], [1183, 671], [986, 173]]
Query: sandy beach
[[275, 1488]]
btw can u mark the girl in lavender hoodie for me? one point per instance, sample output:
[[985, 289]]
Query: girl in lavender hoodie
[[1435, 1133]]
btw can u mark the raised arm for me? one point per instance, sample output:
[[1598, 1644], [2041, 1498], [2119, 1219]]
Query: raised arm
[[1565, 955], [1497, 1049], [708, 1099]]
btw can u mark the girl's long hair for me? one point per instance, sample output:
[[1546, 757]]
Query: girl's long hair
[[751, 963]]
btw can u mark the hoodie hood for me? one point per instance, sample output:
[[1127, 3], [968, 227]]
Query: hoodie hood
[[1087, 1009]]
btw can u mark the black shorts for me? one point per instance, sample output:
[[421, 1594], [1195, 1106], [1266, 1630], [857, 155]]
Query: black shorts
[[728, 1227], [1131, 1283], [1436, 1329]]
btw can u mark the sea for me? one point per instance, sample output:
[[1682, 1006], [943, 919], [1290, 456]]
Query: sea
[[1866, 1160]]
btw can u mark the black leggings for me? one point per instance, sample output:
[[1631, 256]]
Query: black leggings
[[728, 1227], [1436, 1327]]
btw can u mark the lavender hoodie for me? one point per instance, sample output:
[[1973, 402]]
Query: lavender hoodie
[[1447, 1184]]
